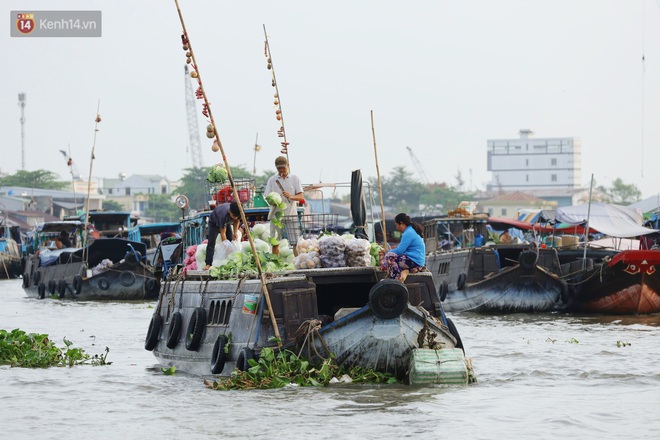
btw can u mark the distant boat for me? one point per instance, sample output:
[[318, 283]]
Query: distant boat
[[503, 278], [10, 252], [606, 280], [106, 269]]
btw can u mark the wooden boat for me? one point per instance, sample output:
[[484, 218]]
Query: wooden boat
[[162, 241], [205, 326], [606, 279], [511, 278], [622, 283], [106, 269], [10, 252]]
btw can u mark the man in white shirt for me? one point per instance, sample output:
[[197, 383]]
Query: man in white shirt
[[289, 187]]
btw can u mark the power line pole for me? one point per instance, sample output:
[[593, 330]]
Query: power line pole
[[21, 104], [193, 125]]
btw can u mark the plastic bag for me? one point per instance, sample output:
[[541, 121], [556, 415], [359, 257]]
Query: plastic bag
[[222, 251]]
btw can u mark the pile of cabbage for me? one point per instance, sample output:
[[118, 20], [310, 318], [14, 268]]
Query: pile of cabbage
[[235, 259], [217, 174]]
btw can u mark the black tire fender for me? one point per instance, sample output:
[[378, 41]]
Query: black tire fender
[[77, 284], [443, 290], [243, 359], [36, 277], [527, 260], [153, 332], [26, 280], [454, 332], [41, 289], [388, 298], [460, 283], [52, 287], [61, 288], [174, 331], [103, 283], [564, 294], [127, 278], [218, 356], [150, 285], [196, 327]]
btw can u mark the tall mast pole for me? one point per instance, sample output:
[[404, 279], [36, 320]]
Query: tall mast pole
[[21, 104], [217, 146]]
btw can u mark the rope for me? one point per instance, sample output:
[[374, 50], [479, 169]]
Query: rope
[[310, 329]]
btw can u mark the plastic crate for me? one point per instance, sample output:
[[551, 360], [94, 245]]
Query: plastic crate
[[309, 225], [225, 193]]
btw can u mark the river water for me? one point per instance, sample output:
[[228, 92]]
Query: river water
[[542, 376]]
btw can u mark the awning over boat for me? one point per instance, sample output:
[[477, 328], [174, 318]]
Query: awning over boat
[[613, 220], [68, 226], [157, 228]]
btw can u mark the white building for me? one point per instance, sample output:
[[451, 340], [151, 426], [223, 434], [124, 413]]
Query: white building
[[135, 184], [528, 163]]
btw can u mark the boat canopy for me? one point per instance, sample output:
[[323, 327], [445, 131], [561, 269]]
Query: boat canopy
[[67, 226], [106, 248], [613, 220]]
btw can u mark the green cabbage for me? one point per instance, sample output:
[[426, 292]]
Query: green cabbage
[[217, 174]]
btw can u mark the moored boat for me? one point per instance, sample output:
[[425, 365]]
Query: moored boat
[[204, 326], [511, 278], [106, 269], [10, 251], [210, 326], [627, 283]]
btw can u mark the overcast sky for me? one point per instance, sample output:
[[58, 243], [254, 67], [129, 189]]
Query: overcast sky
[[441, 77]]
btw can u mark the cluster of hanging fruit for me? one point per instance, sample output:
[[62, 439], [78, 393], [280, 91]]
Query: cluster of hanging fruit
[[199, 93], [276, 102]]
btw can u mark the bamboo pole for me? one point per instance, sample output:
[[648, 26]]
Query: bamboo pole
[[586, 233], [278, 102], [380, 186], [89, 186], [207, 112]]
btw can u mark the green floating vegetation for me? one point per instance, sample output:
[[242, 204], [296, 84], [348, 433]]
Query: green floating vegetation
[[31, 350], [169, 371], [622, 344], [277, 369]]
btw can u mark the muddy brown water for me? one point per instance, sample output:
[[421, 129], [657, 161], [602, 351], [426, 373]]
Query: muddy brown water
[[544, 376]]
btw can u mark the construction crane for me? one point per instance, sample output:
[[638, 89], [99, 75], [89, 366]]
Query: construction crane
[[418, 166], [193, 124], [73, 169]]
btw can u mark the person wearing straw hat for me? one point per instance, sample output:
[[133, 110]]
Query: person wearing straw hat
[[288, 186]]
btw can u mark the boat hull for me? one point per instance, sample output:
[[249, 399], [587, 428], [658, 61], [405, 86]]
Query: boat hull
[[627, 284], [301, 302], [364, 340], [10, 266], [127, 278], [512, 290], [506, 279]]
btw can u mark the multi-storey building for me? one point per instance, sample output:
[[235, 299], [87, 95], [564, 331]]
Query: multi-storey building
[[528, 163]]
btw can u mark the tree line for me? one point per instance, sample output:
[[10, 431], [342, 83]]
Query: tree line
[[401, 191]]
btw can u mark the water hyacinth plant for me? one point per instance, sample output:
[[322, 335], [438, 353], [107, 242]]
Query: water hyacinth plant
[[31, 350], [279, 368]]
